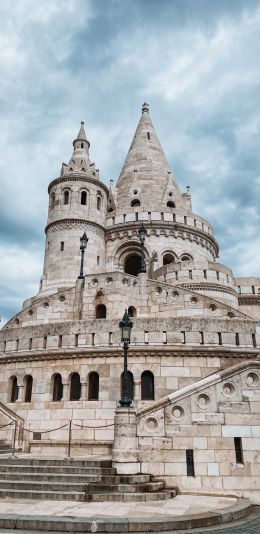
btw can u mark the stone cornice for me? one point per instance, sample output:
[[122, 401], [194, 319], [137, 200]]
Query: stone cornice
[[249, 300], [75, 177], [135, 351], [203, 286], [171, 229], [73, 221]]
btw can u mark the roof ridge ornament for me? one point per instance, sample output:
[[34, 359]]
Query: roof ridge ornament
[[145, 107]]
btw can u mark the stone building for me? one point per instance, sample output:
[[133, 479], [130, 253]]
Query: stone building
[[194, 368]]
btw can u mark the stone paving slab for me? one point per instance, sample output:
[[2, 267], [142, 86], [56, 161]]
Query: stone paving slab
[[185, 511]]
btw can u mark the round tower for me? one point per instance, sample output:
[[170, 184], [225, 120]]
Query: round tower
[[77, 204]]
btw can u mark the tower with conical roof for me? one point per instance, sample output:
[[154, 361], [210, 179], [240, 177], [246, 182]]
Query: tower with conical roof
[[77, 204]]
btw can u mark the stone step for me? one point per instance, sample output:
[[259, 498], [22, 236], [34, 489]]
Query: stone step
[[20, 485], [70, 468], [59, 477], [147, 487], [57, 462], [130, 497], [43, 495]]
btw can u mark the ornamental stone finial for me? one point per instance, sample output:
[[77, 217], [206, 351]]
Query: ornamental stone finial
[[145, 107]]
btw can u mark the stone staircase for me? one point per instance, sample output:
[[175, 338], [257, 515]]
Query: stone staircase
[[90, 480]]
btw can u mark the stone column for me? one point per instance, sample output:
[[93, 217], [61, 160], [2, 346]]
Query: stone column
[[20, 393], [84, 389], [65, 391], [125, 454]]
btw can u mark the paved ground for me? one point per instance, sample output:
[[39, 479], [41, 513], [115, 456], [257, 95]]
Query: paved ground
[[181, 505]]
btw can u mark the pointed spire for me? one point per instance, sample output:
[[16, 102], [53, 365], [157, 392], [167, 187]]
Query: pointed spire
[[146, 167], [81, 135], [79, 161]]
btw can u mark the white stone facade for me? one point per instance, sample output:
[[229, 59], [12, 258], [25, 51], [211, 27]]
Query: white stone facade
[[196, 328]]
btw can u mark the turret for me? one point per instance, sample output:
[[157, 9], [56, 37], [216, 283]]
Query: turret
[[77, 204]]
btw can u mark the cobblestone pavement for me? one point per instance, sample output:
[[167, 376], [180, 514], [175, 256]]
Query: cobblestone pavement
[[245, 527]]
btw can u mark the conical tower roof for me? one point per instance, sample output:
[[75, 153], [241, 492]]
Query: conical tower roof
[[79, 161], [146, 171]]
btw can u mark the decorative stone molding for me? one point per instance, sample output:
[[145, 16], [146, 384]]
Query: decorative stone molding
[[76, 177], [71, 224], [202, 286]]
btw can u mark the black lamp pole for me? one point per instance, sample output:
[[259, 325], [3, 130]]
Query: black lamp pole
[[83, 246], [125, 325], [142, 233]]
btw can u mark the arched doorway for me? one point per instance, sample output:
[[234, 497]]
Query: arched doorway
[[133, 264]]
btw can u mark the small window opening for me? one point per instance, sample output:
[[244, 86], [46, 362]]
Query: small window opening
[[217, 273], [148, 136], [201, 338], [93, 339], [146, 337], [205, 274], [190, 274], [16, 344], [75, 387], [195, 223], [237, 339], [239, 290], [28, 388], [168, 258], [14, 389], [62, 246], [57, 388], [66, 196], [164, 337], [93, 386], [253, 290], [110, 338], [132, 311], [98, 203], [44, 342], [60, 342], [30, 343], [83, 199], [52, 200], [4, 346], [136, 216], [185, 219], [101, 311], [82, 145], [190, 463], [76, 340], [219, 338], [147, 386], [135, 203], [254, 340], [238, 450], [176, 275], [183, 337], [170, 204], [97, 260]]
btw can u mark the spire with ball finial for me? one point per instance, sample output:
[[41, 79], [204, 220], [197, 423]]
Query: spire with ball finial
[[145, 108]]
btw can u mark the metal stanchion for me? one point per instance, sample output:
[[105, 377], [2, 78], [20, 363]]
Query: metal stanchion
[[14, 440], [69, 457]]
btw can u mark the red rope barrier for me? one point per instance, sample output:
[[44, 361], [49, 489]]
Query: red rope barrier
[[42, 431], [8, 424], [84, 426]]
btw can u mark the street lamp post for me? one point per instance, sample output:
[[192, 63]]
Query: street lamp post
[[142, 233], [125, 325], [83, 246]]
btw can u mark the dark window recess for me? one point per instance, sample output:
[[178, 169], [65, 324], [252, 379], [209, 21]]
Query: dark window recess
[[190, 274], [135, 202], [76, 340], [28, 388], [93, 339], [37, 436], [219, 338], [4, 346], [82, 145], [98, 203], [14, 390], [75, 387], [164, 337], [130, 385], [237, 339], [185, 219], [57, 388], [253, 290], [205, 274], [217, 275], [83, 199], [148, 136], [202, 338], [147, 386], [190, 463], [60, 342], [239, 290], [62, 246], [170, 204], [45, 342], [238, 450], [254, 340], [183, 337], [93, 386], [30, 343], [66, 197], [17, 344], [101, 311], [110, 338]]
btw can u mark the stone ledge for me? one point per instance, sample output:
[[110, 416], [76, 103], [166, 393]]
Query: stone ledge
[[136, 524]]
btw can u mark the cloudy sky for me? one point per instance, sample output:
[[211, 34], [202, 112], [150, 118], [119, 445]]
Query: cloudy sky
[[62, 61]]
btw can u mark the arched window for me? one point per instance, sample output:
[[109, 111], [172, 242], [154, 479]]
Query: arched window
[[130, 385], [57, 393], [101, 311], [185, 257], [135, 202], [98, 203], [14, 389], [66, 197], [147, 386], [28, 382], [132, 311], [93, 386], [168, 258], [52, 200], [170, 204], [133, 264], [75, 387], [83, 198]]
